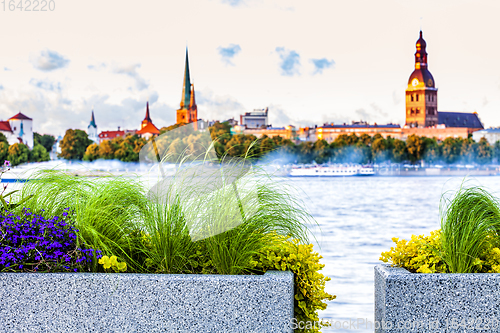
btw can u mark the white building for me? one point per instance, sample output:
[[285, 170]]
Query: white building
[[491, 134], [255, 119], [18, 129]]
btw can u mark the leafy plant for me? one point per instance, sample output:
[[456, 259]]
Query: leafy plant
[[106, 210], [468, 221], [283, 254], [422, 254]]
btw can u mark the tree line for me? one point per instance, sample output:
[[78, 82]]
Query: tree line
[[345, 148], [19, 153]]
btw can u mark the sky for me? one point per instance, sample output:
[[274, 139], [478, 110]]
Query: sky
[[309, 62]]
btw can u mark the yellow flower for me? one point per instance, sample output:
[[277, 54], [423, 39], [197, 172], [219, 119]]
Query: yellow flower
[[122, 266], [105, 261]]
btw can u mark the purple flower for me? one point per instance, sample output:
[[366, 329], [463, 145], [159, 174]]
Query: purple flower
[[6, 164]]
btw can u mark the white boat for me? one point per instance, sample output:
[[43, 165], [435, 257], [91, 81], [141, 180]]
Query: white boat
[[336, 170]]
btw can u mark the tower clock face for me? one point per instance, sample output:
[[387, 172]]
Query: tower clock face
[[429, 83], [414, 82]]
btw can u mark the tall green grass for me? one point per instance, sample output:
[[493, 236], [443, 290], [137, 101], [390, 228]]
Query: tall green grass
[[227, 214], [106, 210], [221, 216], [469, 221]]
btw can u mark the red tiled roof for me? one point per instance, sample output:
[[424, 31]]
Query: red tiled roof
[[21, 116], [5, 126], [149, 128], [111, 134]]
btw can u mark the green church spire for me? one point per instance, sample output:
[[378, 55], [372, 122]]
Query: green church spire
[[92, 120], [186, 87]]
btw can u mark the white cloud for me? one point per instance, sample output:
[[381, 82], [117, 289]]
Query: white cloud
[[48, 60]]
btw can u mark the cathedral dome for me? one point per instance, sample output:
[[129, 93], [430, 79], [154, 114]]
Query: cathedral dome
[[421, 78]]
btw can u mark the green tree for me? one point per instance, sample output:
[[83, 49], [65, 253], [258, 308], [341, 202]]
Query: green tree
[[306, 151], [266, 145], [399, 153], [352, 139], [432, 150], [18, 154], [366, 139], [4, 151], [92, 153], [450, 150], [39, 154], [321, 151], [484, 152], [380, 150], [74, 144], [468, 151], [415, 147], [3, 138], [496, 151], [47, 142], [107, 149]]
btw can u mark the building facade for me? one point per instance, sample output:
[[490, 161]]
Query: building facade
[[18, 129], [422, 115], [329, 132], [255, 119], [421, 94]]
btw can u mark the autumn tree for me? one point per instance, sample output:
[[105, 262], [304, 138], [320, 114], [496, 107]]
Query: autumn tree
[[74, 144], [18, 154]]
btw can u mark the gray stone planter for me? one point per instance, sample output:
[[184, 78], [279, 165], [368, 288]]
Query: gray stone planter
[[412, 302], [88, 302]]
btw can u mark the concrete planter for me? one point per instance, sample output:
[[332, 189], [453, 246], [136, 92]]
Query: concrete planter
[[92, 302], [411, 302]]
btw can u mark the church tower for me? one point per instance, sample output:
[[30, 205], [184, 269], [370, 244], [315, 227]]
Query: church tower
[[188, 111], [421, 94], [92, 129]]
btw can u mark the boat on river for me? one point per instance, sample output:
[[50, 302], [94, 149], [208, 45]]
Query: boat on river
[[332, 170]]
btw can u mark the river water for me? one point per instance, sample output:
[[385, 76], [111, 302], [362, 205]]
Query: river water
[[357, 217]]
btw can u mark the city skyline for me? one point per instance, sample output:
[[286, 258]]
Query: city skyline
[[325, 61]]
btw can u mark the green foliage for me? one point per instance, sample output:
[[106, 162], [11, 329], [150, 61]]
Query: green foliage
[[18, 154], [74, 144], [415, 146], [284, 254], [423, 254], [451, 149], [399, 152], [484, 152], [3, 138], [39, 154], [124, 149], [91, 153], [106, 210], [4, 151], [47, 141], [467, 242]]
